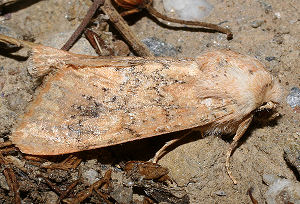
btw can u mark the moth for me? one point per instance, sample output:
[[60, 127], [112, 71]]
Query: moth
[[88, 102]]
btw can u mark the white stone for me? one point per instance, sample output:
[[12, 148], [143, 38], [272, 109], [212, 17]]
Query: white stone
[[90, 176], [193, 10]]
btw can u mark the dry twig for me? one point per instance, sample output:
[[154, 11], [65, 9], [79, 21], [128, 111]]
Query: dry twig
[[62, 193], [92, 10], [249, 192], [11, 180], [72, 162], [121, 25], [81, 196], [68, 190], [137, 6], [118, 22]]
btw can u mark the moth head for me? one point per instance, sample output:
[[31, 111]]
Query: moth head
[[255, 86], [264, 89], [273, 93], [268, 97], [268, 91]]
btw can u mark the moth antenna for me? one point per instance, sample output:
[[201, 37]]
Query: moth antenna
[[238, 135]]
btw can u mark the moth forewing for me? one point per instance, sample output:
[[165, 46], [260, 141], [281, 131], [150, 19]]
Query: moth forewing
[[87, 102], [96, 105]]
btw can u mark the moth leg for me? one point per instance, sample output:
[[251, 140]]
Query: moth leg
[[162, 150], [239, 133]]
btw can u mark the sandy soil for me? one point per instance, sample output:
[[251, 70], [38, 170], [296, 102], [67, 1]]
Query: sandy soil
[[268, 30]]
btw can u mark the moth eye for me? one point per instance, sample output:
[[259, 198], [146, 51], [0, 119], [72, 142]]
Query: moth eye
[[269, 106], [263, 104], [261, 108]]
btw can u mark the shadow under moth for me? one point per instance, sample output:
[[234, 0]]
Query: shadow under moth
[[87, 102]]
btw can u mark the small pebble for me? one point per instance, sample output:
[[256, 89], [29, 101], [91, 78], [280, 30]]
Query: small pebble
[[271, 58], [281, 190], [220, 193], [267, 7], [283, 30], [160, 48], [90, 176], [14, 160], [50, 197], [278, 39], [293, 99], [194, 10], [257, 23], [5, 30], [278, 15], [122, 194]]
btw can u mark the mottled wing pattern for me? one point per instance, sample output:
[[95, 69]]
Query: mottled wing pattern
[[91, 107]]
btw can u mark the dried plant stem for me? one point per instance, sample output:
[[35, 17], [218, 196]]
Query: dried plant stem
[[83, 24], [11, 180], [16, 42], [249, 192], [121, 25], [67, 191], [81, 196], [116, 20], [62, 193], [72, 162], [52, 185], [155, 13]]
